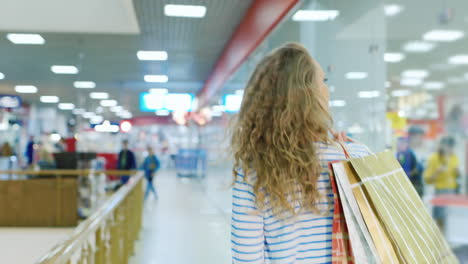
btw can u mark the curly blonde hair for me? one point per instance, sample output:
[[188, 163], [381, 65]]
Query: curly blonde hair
[[273, 135]]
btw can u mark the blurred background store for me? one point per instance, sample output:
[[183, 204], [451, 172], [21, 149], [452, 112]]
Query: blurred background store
[[77, 78]]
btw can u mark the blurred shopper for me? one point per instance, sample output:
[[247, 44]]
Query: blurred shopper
[[150, 165], [30, 151], [6, 150], [45, 158], [126, 161], [410, 164], [442, 171], [61, 146], [281, 145]]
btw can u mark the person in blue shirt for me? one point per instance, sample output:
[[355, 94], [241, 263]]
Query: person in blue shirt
[[150, 165], [410, 164]]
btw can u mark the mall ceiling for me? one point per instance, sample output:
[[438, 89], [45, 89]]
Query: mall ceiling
[[106, 54]]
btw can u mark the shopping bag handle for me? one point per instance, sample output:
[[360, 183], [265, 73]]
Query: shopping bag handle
[[345, 151]]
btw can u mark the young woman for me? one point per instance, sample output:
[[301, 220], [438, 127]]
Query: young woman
[[282, 199]]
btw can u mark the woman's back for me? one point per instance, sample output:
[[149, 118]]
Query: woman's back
[[261, 237]]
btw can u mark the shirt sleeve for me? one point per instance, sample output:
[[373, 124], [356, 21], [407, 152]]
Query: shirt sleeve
[[430, 169], [247, 236]]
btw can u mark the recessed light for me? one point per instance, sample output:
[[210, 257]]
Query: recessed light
[[368, 94], [84, 84], [26, 89], [99, 95], [66, 106], [78, 111], [444, 35], [88, 115], [32, 39], [96, 119], [458, 59], [418, 46], [158, 90], [2, 76], [337, 103], [162, 112], [108, 103], [64, 69], [393, 57], [392, 10], [400, 93], [156, 78], [411, 82], [356, 75], [152, 55], [185, 11], [434, 85], [315, 15], [415, 73], [49, 99], [116, 109]]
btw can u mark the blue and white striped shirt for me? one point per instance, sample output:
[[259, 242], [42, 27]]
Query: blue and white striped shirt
[[259, 237]]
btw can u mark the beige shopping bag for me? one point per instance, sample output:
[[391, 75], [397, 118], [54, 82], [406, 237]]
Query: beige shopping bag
[[390, 205]]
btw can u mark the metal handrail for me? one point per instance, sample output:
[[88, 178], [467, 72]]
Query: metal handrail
[[63, 252]]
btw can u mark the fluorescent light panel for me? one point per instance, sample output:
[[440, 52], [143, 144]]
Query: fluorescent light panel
[[49, 99], [108, 103], [411, 82], [434, 85], [418, 46], [185, 11], [84, 85], [116, 109], [64, 69], [25, 39], [315, 15], [156, 78], [415, 73], [392, 10], [25, 89], [444, 35], [99, 95], [356, 75], [400, 93], [2, 76], [459, 59], [66, 106], [152, 55], [368, 94], [393, 57], [88, 115], [337, 103], [78, 111]]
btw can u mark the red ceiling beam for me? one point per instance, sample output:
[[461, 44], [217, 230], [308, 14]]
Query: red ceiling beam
[[261, 18]]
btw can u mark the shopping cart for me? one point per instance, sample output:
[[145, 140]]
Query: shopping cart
[[191, 163]]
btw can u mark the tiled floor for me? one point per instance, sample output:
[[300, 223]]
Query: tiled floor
[[189, 224], [27, 245]]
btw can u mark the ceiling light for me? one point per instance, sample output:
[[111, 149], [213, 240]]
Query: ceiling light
[[88, 115], [418, 46], [106, 126], [96, 119], [419, 74], [64, 69], [126, 115], [25, 89], [458, 59], [356, 75], [411, 82], [2, 76], [443, 35], [399, 93], [78, 111], [108, 103], [392, 10], [456, 80], [84, 85], [49, 99], [337, 103], [156, 78], [368, 94], [162, 112], [152, 55], [185, 10], [33, 39], [158, 90], [434, 85], [393, 57], [315, 15], [116, 109], [100, 96], [125, 126], [66, 106]]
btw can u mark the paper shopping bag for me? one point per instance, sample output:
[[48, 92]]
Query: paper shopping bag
[[382, 184]]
